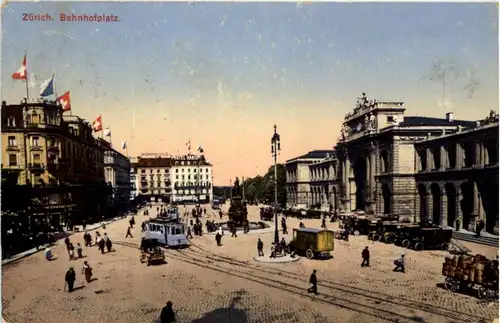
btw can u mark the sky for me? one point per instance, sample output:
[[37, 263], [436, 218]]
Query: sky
[[222, 74]]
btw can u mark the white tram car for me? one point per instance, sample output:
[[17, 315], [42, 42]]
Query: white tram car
[[170, 234]]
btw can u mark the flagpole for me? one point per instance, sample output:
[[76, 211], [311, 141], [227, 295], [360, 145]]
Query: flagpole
[[54, 85], [26, 71]]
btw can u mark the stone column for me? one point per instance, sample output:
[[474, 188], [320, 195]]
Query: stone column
[[458, 208], [428, 158], [478, 154], [458, 156], [444, 210], [443, 157], [430, 207], [475, 209]]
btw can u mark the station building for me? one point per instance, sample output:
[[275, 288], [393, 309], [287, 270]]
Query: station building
[[427, 169]]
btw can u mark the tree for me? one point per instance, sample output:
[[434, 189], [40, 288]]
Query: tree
[[262, 187]]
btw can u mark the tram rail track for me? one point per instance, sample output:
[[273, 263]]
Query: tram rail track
[[377, 307], [377, 296]]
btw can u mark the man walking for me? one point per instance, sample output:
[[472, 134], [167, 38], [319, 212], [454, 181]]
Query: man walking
[[167, 314], [70, 279], [314, 282], [260, 248], [129, 233], [365, 254]]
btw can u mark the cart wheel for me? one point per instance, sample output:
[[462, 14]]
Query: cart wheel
[[356, 233], [388, 239], [481, 292], [445, 246], [309, 254], [453, 286], [375, 237], [405, 243], [419, 246]]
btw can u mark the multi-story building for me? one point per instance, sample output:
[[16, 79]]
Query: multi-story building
[[382, 154], [117, 174], [153, 177], [176, 179], [325, 184], [457, 177], [57, 156], [299, 175], [192, 177], [134, 179]]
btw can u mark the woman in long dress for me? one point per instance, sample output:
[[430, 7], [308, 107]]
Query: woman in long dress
[[87, 271]]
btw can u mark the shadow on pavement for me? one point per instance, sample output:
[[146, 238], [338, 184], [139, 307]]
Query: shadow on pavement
[[227, 314]]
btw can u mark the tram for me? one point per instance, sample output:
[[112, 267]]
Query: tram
[[171, 214], [167, 233]]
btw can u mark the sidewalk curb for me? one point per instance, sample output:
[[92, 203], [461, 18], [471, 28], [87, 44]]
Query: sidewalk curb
[[69, 233]]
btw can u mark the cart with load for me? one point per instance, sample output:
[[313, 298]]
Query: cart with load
[[151, 252], [472, 274], [314, 243]]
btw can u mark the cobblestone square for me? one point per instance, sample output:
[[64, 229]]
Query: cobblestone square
[[224, 284]]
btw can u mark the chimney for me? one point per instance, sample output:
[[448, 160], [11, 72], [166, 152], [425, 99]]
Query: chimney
[[449, 116]]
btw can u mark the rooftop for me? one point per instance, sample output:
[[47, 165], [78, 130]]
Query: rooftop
[[434, 122], [315, 154]]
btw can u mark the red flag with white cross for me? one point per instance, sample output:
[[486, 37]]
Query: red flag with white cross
[[97, 124], [65, 101]]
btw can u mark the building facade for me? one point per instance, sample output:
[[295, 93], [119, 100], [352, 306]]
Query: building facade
[[117, 174], [153, 177], [178, 179], [395, 164], [457, 177], [193, 179], [299, 177], [325, 183], [134, 179], [57, 156]]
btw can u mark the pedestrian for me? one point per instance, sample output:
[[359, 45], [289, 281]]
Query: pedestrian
[[314, 282], [129, 233], [365, 254], [48, 254], [167, 314], [86, 239], [87, 271], [218, 238], [143, 226], [97, 238], [189, 235], [101, 245], [79, 250], [400, 264], [67, 242], [70, 279], [457, 225], [109, 244], [132, 222], [71, 251], [283, 246], [346, 234], [323, 222], [233, 231], [220, 214], [260, 248], [84, 225]]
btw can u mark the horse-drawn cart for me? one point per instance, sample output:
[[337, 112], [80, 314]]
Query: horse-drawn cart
[[472, 273], [151, 252]]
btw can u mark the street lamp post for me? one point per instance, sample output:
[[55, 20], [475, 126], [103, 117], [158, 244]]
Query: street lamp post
[[275, 149]]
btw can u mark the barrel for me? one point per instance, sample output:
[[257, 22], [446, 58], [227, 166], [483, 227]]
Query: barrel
[[478, 274]]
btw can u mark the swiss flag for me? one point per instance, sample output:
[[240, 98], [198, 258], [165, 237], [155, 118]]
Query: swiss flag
[[97, 124], [21, 74], [65, 101]]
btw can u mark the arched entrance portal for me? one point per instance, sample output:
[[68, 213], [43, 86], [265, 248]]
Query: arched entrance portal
[[422, 195], [451, 205], [386, 195], [359, 170], [436, 204], [467, 202]]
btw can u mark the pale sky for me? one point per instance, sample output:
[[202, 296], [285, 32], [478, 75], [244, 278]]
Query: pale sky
[[222, 74]]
